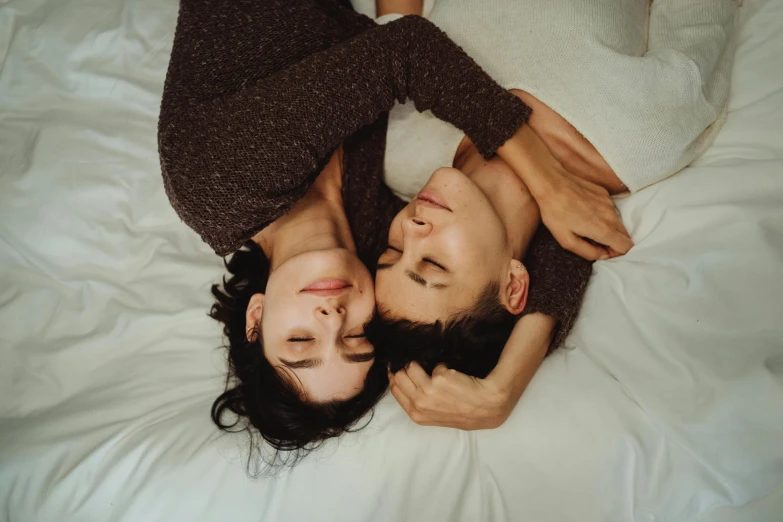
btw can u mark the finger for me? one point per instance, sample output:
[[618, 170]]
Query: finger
[[584, 249], [417, 374], [595, 188], [401, 399], [616, 240], [621, 227], [610, 215], [407, 405], [405, 383], [440, 369]]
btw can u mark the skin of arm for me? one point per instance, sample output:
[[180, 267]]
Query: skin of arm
[[522, 356], [403, 7], [451, 399], [572, 208]]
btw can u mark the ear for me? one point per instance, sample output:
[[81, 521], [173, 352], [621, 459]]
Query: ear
[[517, 284], [255, 309]]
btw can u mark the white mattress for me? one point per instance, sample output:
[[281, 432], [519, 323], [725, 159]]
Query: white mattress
[[668, 404]]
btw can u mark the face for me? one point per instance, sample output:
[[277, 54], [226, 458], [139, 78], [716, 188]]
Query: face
[[312, 321], [444, 248]]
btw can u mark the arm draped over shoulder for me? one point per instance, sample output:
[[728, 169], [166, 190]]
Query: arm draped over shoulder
[[258, 95]]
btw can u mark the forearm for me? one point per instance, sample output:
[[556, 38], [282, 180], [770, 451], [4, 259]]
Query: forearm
[[523, 354], [301, 113], [524, 151]]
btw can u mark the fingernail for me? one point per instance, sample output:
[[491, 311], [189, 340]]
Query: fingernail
[[604, 257]]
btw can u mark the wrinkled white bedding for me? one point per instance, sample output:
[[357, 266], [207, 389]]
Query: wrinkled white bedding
[[668, 404]]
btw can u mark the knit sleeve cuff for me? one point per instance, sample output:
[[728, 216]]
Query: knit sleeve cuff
[[501, 126]]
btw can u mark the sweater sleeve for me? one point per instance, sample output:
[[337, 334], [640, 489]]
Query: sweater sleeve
[[558, 280], [235, 161]]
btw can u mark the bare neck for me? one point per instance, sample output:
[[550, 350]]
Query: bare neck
[[316, 222], [508, 194]]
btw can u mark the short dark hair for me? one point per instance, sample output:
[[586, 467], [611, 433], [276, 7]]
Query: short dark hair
[[265, 399], [470, 342]]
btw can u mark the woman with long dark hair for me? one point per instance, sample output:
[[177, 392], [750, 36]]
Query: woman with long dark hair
[[258, 99]]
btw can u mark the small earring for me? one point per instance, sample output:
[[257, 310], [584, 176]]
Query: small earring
[[520, 266]]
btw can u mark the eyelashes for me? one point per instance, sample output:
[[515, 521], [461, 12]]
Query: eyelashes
[[427, 260], [307, 339]]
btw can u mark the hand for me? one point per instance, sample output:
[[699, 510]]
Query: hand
[[572, 208], [450, 399]]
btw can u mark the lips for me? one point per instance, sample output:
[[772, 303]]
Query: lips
[[428, 196], [327, 287]]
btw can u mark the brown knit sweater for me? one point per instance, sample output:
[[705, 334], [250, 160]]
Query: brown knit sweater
[[259, 93]]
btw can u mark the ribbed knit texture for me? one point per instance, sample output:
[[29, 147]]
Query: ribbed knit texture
[[260, 93], [647, 83]]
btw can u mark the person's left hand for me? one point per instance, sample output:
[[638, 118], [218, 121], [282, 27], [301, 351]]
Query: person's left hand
[[450, 399]]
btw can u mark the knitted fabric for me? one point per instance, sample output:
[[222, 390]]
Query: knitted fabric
[[259, 94], [646, 82]]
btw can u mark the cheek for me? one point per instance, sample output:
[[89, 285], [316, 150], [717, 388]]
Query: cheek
[[395, 230], [384, 282], [363, 306], [355, 377], [488, 233], [280, 314], [475, 246]]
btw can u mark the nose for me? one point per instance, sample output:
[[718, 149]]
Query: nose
[[416, 226], [332, 311]]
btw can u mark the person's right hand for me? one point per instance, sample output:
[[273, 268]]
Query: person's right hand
[[572, 208]]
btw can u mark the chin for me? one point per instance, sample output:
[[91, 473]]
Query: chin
[[338, 263], [459, 190]]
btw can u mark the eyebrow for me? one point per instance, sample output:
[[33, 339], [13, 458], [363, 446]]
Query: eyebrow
[[304, 363], [413, 276], [416, 278], [359, 357]]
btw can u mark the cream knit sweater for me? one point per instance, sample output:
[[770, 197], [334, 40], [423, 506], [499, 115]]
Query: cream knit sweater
[[646, 82]]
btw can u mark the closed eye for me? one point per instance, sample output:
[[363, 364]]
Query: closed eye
[[434, 263], [357, 336], [383, 266]]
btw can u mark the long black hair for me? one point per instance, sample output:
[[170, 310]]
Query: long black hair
[[267, 402]]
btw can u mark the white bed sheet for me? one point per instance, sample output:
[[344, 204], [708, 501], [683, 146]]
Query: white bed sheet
[[668, 404]]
